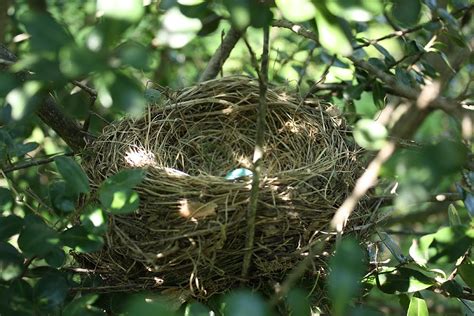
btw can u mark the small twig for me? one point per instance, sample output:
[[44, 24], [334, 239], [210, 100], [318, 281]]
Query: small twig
[[221, 54], [258, 154], [253, 57], [32, 163], [408, 232], [321, 80], [84, 87], [296, 28], [401, 33]]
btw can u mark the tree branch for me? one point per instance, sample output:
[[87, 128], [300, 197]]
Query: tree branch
[[258, 154], [49, 111], [221, 55]]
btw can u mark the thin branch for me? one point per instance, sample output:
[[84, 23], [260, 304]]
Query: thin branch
[[296, 28], [221, 54], [401, 33], [258, 154], [33, 163]]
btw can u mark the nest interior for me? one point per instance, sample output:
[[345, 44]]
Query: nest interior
[[190, 229]]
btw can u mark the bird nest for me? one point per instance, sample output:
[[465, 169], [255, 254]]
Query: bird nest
[[196, 146]]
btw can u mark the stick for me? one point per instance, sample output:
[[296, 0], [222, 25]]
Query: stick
[[258, 154], [221, 55]]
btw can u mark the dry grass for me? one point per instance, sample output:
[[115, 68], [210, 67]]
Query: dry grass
[[189, 231]]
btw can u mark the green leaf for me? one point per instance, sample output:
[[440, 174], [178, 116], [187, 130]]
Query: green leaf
[[55, 258], [453, 216], [370, 134], [355, 10], [245, 303], [78, 238], [19, 150], [9, 226], [11, 262], [142, 304], [196, 309], [466, 270], [331, 32], [21, 297], [6, 200], [50, 291], [134, 54], [378, 95], [94, 219], [73, 174], [298, 303], [450, 243], [248, 12], [407, 12], [129, 11], [404, 280], [127, 95], [24, 99], [61, 198], [119, 201], [296, 10], [36, 238], [417, 307], [42, 25], [125, 179], [82, 306], [452, 288], [347, 269], [116, 193]]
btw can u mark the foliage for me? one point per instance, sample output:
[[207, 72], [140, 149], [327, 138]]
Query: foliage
[[372, 59]]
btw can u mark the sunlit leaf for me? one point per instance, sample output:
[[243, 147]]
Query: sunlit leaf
[[119, 201], [355, 10], [417, 307], [296, 10], [331, 32], [126, 10], [177, 29], [404, 280], [24, 99], [73, 174], [450, 243], [94, 219], [453, 216], [370, 134]]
